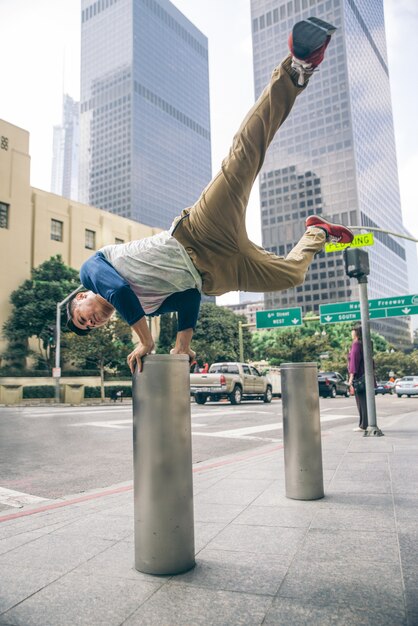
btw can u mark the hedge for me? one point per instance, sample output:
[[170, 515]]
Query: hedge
[[48, 391], [94, 392], [14, 373], [39, 391]]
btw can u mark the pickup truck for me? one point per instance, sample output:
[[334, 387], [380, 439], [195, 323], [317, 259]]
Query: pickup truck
[[235, 381]]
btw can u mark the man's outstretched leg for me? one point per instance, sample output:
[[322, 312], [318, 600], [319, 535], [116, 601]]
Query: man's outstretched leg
[[213, 231], [262, 271]]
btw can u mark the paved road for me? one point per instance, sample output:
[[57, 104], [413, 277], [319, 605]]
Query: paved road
[[50, 452]]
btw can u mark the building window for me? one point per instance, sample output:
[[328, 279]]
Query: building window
[[118, 241], [90, 239], [57, 230], [4, 215]]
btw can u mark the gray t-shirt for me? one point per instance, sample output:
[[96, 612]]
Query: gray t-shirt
[[154, 267]]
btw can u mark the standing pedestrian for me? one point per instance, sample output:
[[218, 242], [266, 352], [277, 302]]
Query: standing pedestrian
[[356, 376]]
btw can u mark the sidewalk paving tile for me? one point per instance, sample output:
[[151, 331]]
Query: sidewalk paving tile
[[370, 585], [343, 545], [18, 582], [291, 517], [262, 540], [288, 611], [82, 601], [54, 553], [372, 520], [118, 561], [99, 525], [178, 604], [229, 570], [209, 512]]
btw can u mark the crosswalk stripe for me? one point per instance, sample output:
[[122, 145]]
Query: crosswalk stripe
[[18, 499]]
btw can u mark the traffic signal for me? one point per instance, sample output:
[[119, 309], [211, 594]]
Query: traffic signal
[[356, 262]]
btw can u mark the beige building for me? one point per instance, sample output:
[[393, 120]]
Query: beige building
[[35, 224], [249, 309]]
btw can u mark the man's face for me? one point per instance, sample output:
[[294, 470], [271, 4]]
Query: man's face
[[90, 310]]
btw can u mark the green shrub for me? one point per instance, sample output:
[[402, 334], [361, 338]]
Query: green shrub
[[39, 391], [94, 392]]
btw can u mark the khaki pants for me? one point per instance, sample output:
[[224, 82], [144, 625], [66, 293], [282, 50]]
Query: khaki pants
[[213, 230]]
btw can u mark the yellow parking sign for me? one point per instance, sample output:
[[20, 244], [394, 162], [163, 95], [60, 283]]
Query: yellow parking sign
[[359, 241]]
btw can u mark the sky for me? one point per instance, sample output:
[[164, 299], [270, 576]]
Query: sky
[[40, 59]]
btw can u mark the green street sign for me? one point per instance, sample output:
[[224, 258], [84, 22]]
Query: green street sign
[[359, 241], [393, 306], [398, 311], [334, 318], [279, 318], [339, 307], [394, 301]]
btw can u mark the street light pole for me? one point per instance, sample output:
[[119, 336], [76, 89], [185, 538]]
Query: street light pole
[[57, 369]]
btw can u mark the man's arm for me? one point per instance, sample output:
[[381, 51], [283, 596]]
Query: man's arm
[[183, 340], [145, 345], [98, 275]]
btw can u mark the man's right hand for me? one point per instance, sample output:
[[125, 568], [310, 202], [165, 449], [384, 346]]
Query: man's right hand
[[135, 357]]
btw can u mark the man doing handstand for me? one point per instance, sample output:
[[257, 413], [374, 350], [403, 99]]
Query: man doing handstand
[[207, 248]]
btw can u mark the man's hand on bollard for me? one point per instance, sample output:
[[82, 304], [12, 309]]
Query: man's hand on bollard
[[191, 353], [135, 357]]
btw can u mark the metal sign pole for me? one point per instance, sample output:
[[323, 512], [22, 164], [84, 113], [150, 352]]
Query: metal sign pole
[[372, 429]]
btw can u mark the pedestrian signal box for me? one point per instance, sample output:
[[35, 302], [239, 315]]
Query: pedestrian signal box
[[356, 262]]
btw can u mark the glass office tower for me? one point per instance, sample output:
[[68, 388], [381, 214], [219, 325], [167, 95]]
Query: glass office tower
[[145, 126], [65, 151], [335, 154]]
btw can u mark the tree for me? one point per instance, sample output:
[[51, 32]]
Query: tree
[[104, 347], [216, 335], [396, 361], [34, 308], [310, 342]]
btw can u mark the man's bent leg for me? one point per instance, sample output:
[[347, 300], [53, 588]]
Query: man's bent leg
[[218, 217]]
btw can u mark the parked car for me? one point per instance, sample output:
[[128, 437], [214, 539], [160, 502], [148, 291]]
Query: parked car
[[332, 384], [407, 386], [384, 387], [235, 381]]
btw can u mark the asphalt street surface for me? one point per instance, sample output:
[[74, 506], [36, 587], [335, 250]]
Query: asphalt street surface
[[54, 451]]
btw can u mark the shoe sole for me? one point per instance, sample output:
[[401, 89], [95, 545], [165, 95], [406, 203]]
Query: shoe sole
[[321, 220], [308, 36], [330, 29]]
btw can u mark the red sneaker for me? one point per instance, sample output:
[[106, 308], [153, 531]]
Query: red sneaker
[[307, 43], [336, 233]]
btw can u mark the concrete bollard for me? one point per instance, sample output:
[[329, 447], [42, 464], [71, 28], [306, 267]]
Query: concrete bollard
[[163, 481], [301, 431]]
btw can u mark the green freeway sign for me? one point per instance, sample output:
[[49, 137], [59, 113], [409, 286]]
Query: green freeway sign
[[279, 318], [334, 318], [393, 306], [359, 241]]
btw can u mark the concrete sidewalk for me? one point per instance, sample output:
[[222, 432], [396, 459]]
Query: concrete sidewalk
[[348, 559]]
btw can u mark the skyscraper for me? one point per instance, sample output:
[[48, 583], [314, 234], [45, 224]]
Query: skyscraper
[[65, 151], [335, 154], [145, 124]]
